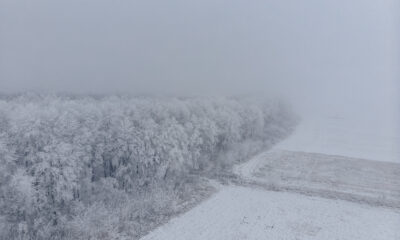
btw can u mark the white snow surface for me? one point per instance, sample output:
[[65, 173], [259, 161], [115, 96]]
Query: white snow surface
[[247, 213], [364, 137]]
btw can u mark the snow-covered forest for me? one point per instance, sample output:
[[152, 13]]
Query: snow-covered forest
[[108, 167]]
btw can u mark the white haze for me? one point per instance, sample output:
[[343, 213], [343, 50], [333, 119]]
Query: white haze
[[321, 55], [117, 167]]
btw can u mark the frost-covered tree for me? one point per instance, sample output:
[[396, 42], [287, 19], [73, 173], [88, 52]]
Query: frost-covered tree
[[76, 167]]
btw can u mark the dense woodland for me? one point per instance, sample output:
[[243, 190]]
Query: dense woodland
[[107, 167]]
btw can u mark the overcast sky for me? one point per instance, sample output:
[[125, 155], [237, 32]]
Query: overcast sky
[[334, 52]]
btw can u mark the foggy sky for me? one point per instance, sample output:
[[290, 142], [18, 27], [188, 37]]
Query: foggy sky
[[332, 53]]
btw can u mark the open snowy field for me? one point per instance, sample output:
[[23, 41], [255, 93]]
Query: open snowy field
[[312, 196], [322, 188], [246, 213], [357, 136], [329, 176]]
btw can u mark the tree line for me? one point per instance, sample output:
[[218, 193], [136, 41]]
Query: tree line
[[84, 167]]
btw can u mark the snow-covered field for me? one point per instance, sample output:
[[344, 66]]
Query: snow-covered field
[[323, 189], [361, 137], [246, 213], [329, 176]]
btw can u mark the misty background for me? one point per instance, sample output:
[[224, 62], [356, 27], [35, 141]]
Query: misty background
[[320, 55]]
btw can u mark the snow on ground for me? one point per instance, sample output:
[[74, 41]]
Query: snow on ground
[[358, 137], [330, 176], [246, 213], [308, 162]]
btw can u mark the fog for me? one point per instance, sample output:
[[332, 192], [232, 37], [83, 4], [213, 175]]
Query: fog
[[341, 55]]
